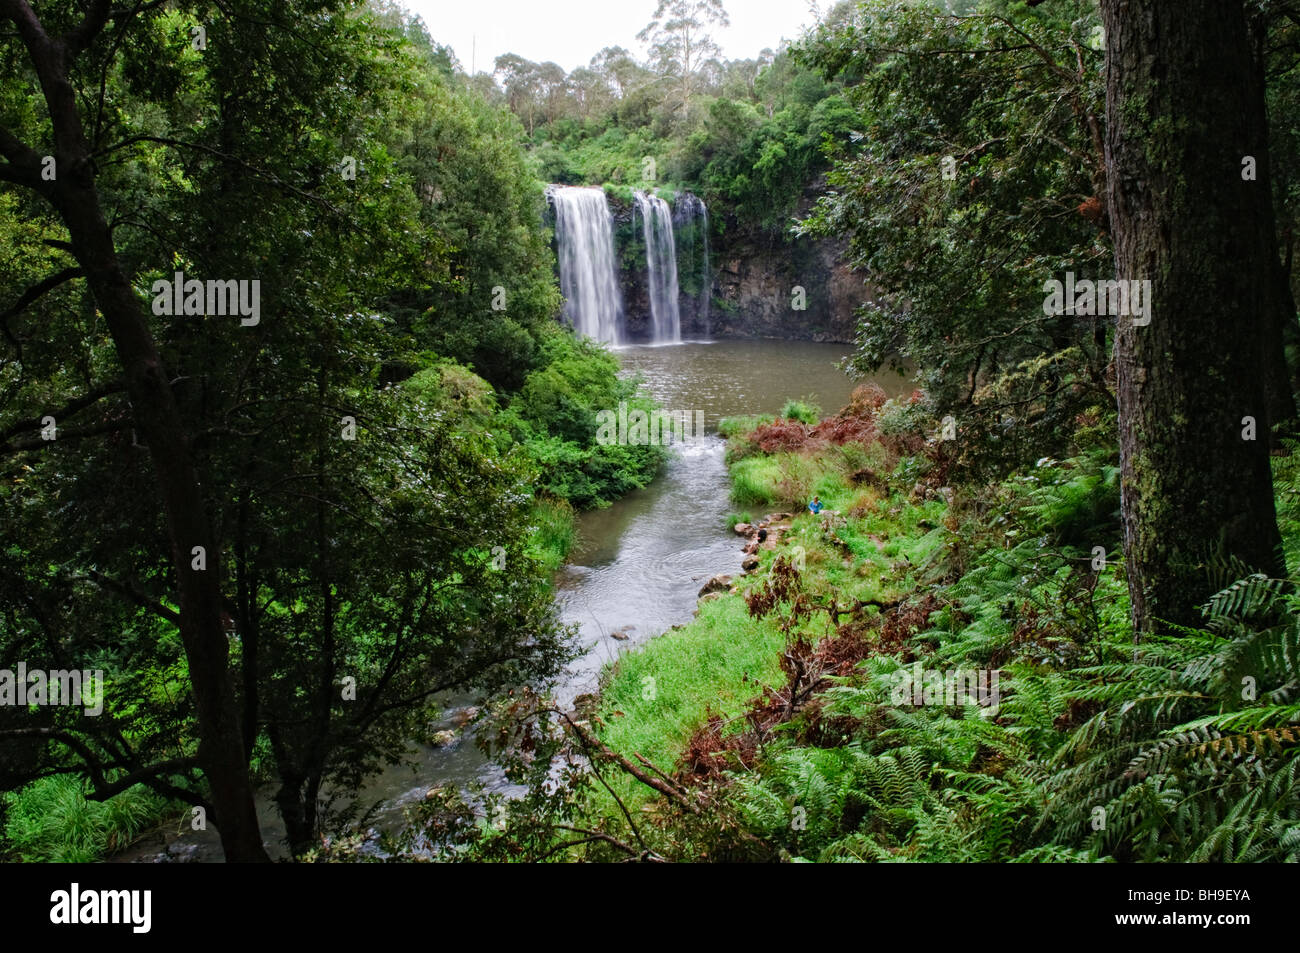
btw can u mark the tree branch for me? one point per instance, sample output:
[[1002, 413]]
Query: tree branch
[[151, 777], [76, 433], [80, 37], [224, 157], [132, 595], [68, 410], [30, 296], [22, 165]]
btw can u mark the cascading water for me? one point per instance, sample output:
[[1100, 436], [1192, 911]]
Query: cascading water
[[691, 221], [584, 234], [661, 263]]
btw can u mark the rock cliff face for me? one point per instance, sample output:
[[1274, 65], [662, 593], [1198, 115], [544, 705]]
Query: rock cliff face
[[755, 289]]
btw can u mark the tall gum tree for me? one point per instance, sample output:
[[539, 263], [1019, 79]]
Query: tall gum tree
[[1183, 111], [74, 195]]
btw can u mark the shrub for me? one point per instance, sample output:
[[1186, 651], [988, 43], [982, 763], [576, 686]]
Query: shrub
[[554, 531], [802, 411], [782, 436]]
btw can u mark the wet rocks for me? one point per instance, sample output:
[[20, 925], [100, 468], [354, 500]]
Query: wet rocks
[[464, 716], [719, 584], [177, 852], [764, 534]]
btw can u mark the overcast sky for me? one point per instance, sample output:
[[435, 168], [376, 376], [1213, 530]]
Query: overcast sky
[[570, 32]]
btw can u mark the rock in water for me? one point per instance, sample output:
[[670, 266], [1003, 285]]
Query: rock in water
[[464, 716], [719, 583]]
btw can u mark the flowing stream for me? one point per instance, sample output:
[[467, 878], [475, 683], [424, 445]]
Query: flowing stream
[[640, 562]]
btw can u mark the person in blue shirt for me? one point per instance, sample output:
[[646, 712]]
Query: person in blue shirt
[[815, 506]]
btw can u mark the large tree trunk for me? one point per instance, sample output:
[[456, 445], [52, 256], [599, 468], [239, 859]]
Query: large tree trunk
[[75, 195], [1279, 316], [1182, 113]]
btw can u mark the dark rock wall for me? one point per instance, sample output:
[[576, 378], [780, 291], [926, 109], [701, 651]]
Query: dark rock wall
[[754, 277]]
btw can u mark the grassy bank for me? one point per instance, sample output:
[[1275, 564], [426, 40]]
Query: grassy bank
[[659, 697], [942, 668], [50, 821], [660, 694]]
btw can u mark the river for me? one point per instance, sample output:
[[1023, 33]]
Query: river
[[638, 564]]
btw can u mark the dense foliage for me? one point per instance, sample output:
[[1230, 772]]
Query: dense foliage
[[391, 454], [747, 135], [811, 712], [371, 447]]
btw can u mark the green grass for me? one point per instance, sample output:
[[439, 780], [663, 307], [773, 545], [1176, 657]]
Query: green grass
[[555, 532], [803, 411], [793, 479], [733, 519], [729, 427], [657, 696], [754, 481], [50, 821]]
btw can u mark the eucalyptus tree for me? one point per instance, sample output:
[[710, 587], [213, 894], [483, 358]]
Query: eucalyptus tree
[[681, 44]]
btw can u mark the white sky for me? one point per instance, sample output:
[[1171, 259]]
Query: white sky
[[570, 32]]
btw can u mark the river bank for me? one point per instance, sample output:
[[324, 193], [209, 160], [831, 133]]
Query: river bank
[[865, 552], [633, 570], [934, 669]]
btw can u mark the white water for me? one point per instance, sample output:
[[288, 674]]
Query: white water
[[584, 233], [691, 217], [661, 265]]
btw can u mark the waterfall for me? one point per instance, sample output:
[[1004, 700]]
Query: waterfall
[[584, 234], [691, 219], [661, 263]]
